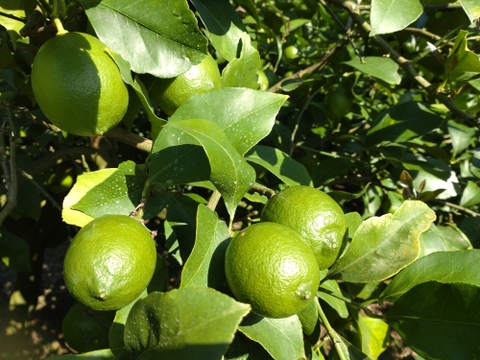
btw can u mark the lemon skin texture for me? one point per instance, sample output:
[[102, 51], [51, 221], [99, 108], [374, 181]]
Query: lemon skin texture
[[77, 85], [85, 329], [269, 266], [314, 215], [110, 262], [170, 94]]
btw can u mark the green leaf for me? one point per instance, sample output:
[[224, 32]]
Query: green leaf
[[471, 8], [242, 71], [14, 251], [204, 267], [229, 172], [461, 135], [282, 338], [442, 238], [445, 267], [85, 182], [403, 122], [245, 115], [439, 320], [91, 355], [165, 48], [462, 63], [329, 297], [470, 195], [186, 323], [374, 334], [120, 193], [388, 16], [288, 170], [382, 246], [225, 29], [381, 68]]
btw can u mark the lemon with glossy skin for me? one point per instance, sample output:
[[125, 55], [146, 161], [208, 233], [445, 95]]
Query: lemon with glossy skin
[[110, 262], [269, 266], [170, 94], [314, 215], [77, 84]]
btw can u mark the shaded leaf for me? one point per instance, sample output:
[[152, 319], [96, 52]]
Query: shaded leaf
[[369, 256], [204, 266], [442, 238], [288, 170], [84, 183], [445, 267], [165, 48], [225, 29], [120, 193], [462, 63], [461, 136], [448, 313], [228, 171], [388, 16], [282, 338], [14, 251], [186, 323], [381, 68], [245, 115], [404, 122], [470, 195]]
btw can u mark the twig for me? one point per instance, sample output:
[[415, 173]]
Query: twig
[[9, 172], [405, 64], [429, 36], [129, 138], [299, 74]]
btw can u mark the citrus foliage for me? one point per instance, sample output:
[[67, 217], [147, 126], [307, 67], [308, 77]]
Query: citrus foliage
[[372, 105]]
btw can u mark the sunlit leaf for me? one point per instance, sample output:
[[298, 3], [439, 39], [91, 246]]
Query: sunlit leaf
[[165, 48], [370, 254], [388, 16], [471, 8], [374, 334], [462, 63], [381, 68]]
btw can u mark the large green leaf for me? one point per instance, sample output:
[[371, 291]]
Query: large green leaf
[[382, 246], [288, 170], [445, 267], [245, 115], [282, 338], [226, 168], [381, 68], [186, 323], [470, 195], [403, 122], [120, 193], [439, 320], [165, 48], [204, 267], [388, 16], [471, 8], [461, 135], [225, 29], [103, 354]]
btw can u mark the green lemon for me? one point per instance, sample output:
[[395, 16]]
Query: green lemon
[[339, 102], [85, 329], [269, 266], [314, 215], [77, 84], [110, 262], [170, 94], [291, 52]]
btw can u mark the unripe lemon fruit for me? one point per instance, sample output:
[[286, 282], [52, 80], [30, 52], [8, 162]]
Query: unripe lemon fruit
[[85, 329], [269, 266], [339, 102], [170, 94], [77, 84], [110, 262], [314, 215]]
